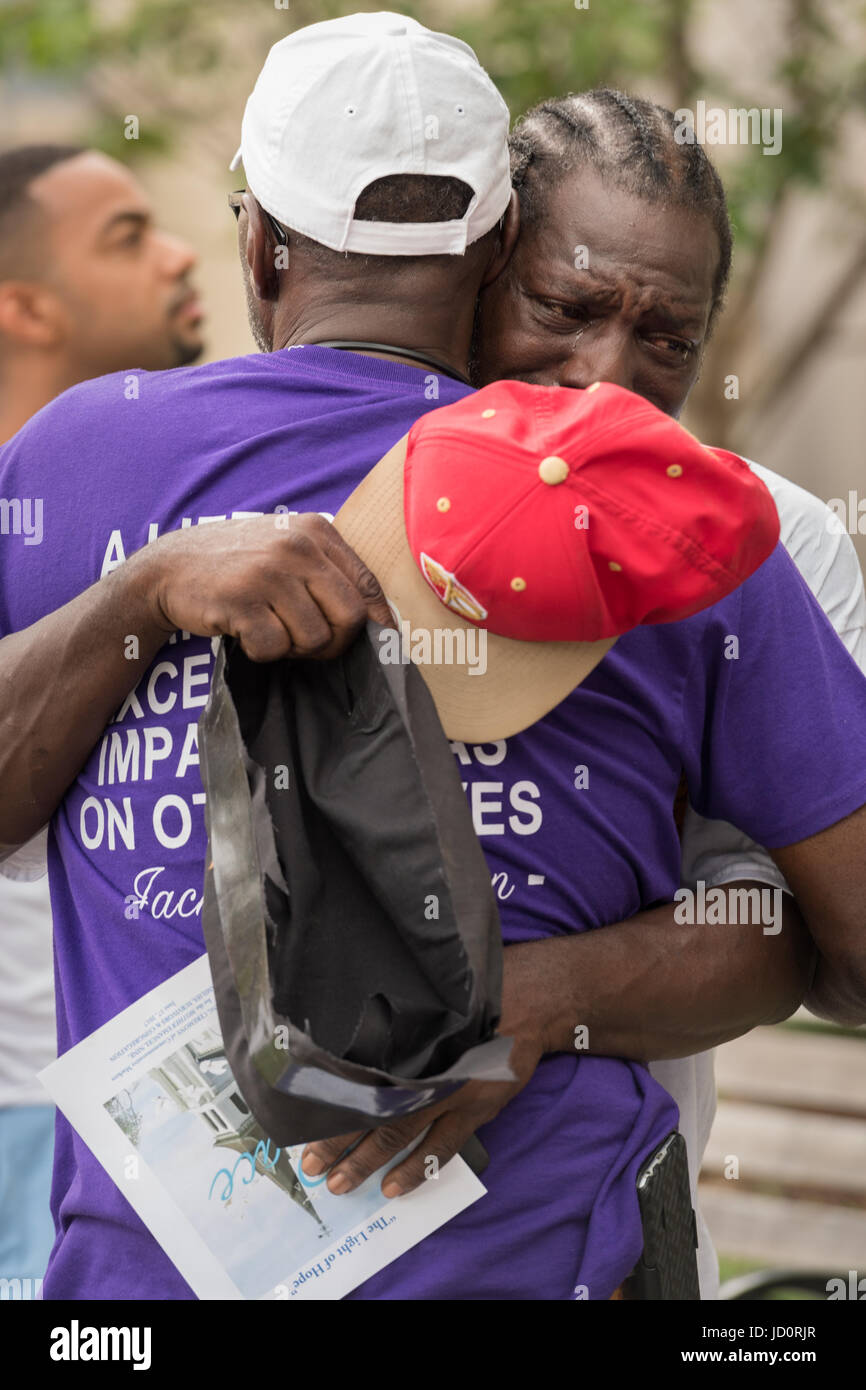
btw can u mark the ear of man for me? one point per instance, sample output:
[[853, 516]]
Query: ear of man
[[31, 311], [505, 243], [260, 252], [31, 316]]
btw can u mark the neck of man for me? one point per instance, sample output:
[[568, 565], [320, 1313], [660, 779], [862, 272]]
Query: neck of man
[[440, 326], [27, 383]]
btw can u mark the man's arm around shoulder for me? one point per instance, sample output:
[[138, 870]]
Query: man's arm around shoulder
[[296, 591], [827, 872]]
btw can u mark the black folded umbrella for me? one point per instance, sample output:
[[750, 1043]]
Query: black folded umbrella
[[348, 913]]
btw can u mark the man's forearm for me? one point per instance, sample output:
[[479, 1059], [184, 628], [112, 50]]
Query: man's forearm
[[61, 681], [828, 874], [652, 988], [281, 590]]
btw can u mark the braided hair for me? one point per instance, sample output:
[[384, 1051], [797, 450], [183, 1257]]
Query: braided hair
[[631, 143]]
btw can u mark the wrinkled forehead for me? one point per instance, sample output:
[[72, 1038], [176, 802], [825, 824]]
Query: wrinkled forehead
[[591, 229]]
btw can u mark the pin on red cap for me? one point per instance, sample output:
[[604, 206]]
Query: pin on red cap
[[545, 523]]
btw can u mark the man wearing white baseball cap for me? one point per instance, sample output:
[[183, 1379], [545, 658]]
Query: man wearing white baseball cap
[[378, 202], [372, 136], [367, 97]]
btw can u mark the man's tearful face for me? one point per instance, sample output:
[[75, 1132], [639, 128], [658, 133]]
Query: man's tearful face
[[606, 286]]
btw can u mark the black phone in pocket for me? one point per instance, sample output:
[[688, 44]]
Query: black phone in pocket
[[475, 1155], [668, 1267]]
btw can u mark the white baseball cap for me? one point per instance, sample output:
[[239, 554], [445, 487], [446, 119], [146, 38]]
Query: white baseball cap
[[347, 101]]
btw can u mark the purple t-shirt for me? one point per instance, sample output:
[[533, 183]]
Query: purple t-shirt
[[574, 815]]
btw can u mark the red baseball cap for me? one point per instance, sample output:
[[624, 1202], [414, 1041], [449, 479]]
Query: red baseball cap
[[555, 520]]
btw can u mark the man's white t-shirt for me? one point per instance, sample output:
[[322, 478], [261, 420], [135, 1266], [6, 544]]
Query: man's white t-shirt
[[715, 851]]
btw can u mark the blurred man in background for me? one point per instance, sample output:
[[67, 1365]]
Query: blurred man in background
[[88, 286]]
